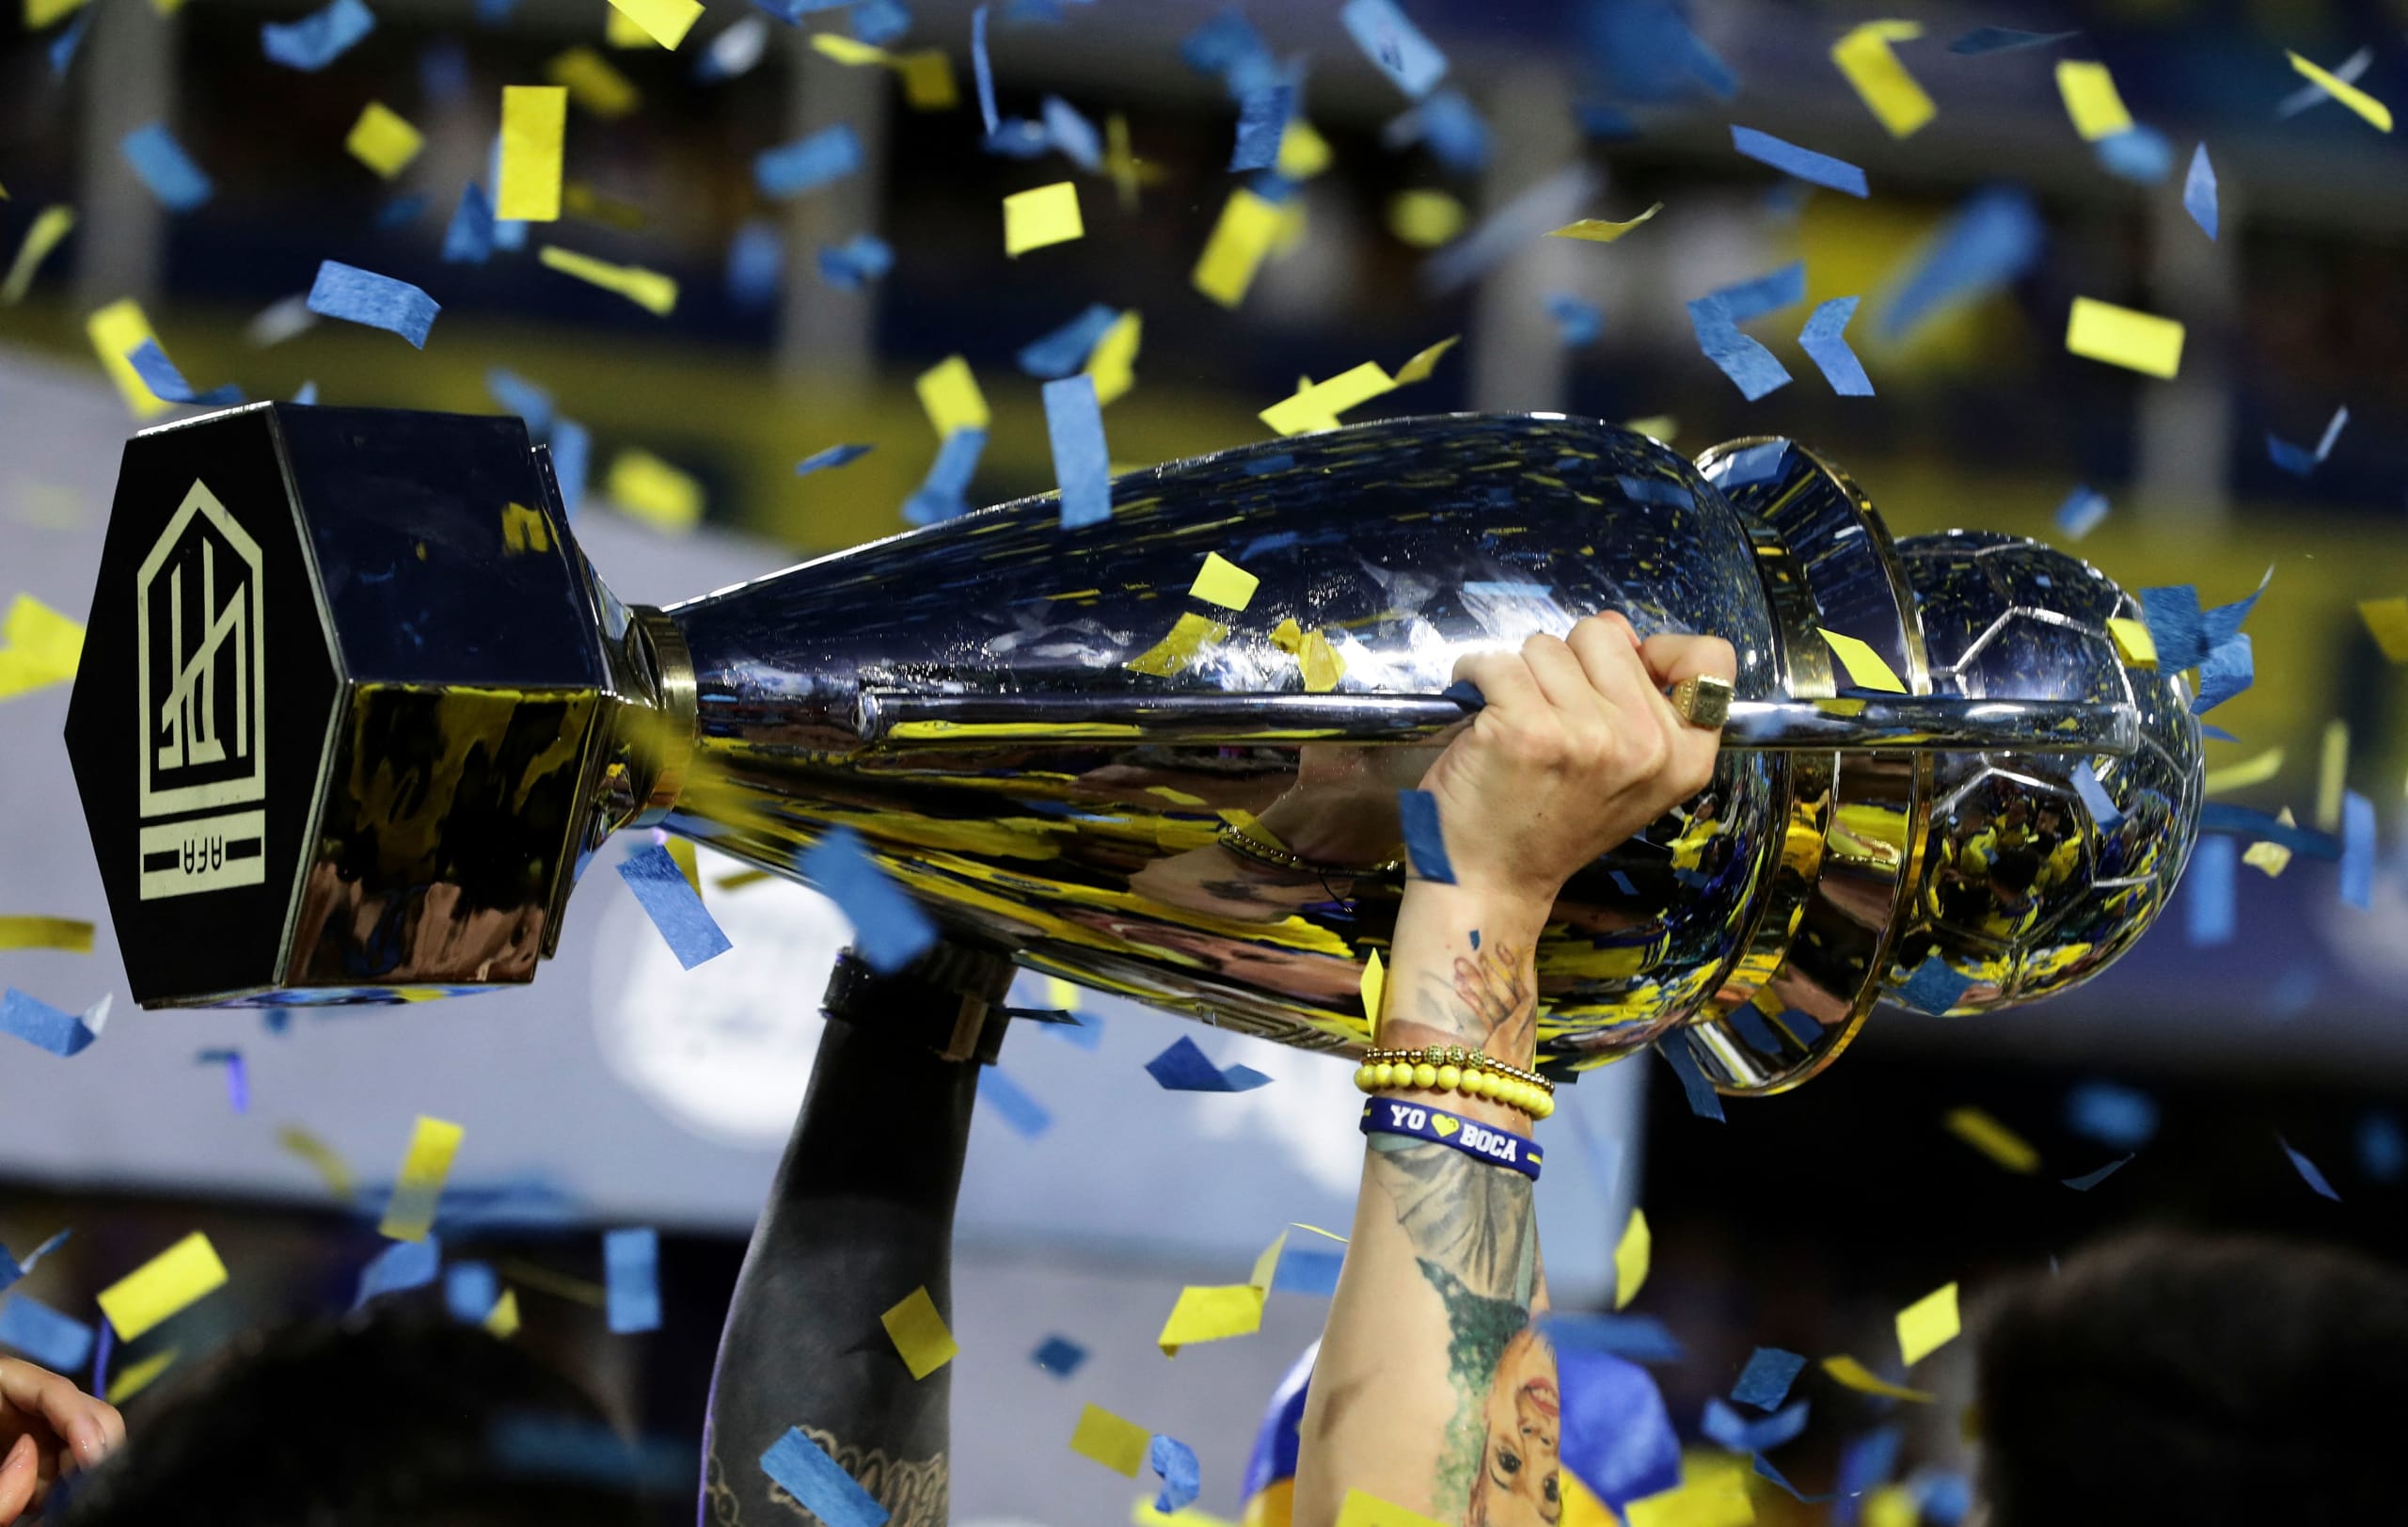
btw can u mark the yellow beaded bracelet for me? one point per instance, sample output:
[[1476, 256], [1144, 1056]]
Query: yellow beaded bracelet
[[1454, 1069]]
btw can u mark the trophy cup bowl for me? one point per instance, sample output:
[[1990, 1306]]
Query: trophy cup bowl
[[1053, 745]]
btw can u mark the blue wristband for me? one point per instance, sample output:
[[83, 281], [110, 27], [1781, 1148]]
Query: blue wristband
[[1414, 1120]]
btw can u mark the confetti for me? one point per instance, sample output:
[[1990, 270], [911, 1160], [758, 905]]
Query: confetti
[[1082, 468], [572, 445], [889, 928], [2136, 340], [383, 141], [1028, 1117], [1865, 668], [631, 1268], [404, 1264], [858, 261], [1222, 582], [1303, 152], [60, 1342], [1576, 323], [1119, 1445], [318, 39], [2331, 770], [594, 84], [835, 456], [807, 164], [1991, 241], [534, 122], [409, 1215], [2357, 850], [2386, 621], [1703, 1100], [1174, 1461], [238, 1083], [2089, 1180], [2300, 461], [2101, 807], [944, 492], [1425, 361], [469, 238], [2308, 1170], [2091, 102], [1394, 44], [503, 1322], [2209, 884], [949, 393], [1322, 667], [134, 1381], [1927, 1325], [159, 1288], [376, 301], [1804, 163], [69, 934], [1317, 405], [46, 1027], [161, 376], [38, 646], [917, 1328], [1066, 349], [1373, 986], [1636, 1338], [649, 289], [2352, 70], [328, 1162], [819, 1485], [653, 491], [1855, 1376], [51, 225], [2080, 513], [1184, 1068], [1708, 1500], [666, 22], [1632, 1253], [469, 1290], [164, 167], [1046, 216], [1425, 842], [2342, 91], [2142, 155], [1308, 1271], [1241, 237], [1982, 39], [1058, 1356], [1879, 80], [1114, 363], [1765, 1381], [1262, 125], [983, 71], [1426, 219], [1597, 230], [1824, 342], [2199, 191], [734, 51], [2383, 1148], [1751, 368], [1993, 1139], [2134, 643], [1729, 1429]]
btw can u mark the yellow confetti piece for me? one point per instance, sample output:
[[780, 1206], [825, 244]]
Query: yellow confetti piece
[[1425, 220], [2248, 772], [1882, 82], [2138, 342], [1266, 1267], [382, 140], [1118, 1445], [130, 1381], [2387, 623], [534, 122], [1361, 1508], [64, 934], [918, 1331], [1857, 1377], [928, 80], [524, 530], [1659, 428], [1143, 1513], [116, 331], [1048, 215], [594, 83], [851, 52], [1303, 152], [681, 854], [1175, 652], [163, 1286], [1321, 662], [2134, 643], [48, 226], [1424, 362], [1127, 170], [558, 1284], [1330, 1234], [950, 394], [2268, 856], [1287, 636], [1892, 1505], [1375, 985], [657, 493], [1865, 668], [647, 289], [2331, 775], [40, 13], [666, 22], [38, 648], [1993, 1139], [1581, 1507], [319, 1156], [1318, 405], [2089, 92], [1599, 229], [1211, 1314], [503, 1321], [410, 1214], [1631, 1256], [1223, 582], [2342, 91], [1241, 237], [1114, 363], [1928, 1324]]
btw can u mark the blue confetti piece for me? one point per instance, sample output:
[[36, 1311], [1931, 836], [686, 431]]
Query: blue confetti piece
[[1982, 39], [572, 448], [1058, 1356], [468, 240], [1028, 1117], [835, 456], [1735, 1433], [160, 375], [1183, 1068], [2357, 850], [443, 71], [491, 13], [516, 395], [2089, 1180], [400, 212], [1623, 882], [2084, 508], [1824, 342], [2174, 626], [2226, 671], [889, 928], [2122, 1118], [2199, 191], [1805, 164], [2140, 155], [1225, 43], [1985, 248], [631, 1279], [1764, 1469], [1751, 368], [1454, 131], [755, 262], [1765, 1381], [1071, 133], [2224, 818], [1017, 138], [819, 1483], [103, 1350], [984, 70], [1633, 1338], [693, 934], [1394, 44], [1602, 123], [470, 1290], [404, 1264], [1576, 323], [318, 39], [1081, 467], [63, 46], [1769, 293], [166, 168], [1754, 464], [238, 1076], [2308, 1170], [362, 296], [2222, 623], [1944, 1499], [2102, 805], [1307, 1270], [944, 494], [2383, 1149], [2310, 95], [2210, 885], [1067, 348], [1703, 1100], [1864, 1463], [41, 1024], [807, 164], [60, 1342], [858, 261], [1262, 120], [881, 22], [1933, 987], [1175, 1462], [1424, 839], [2298, 460]]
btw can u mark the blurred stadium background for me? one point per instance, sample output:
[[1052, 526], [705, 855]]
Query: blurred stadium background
[[633, 1093]]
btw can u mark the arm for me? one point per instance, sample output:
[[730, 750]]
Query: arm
[[1434, 1390]]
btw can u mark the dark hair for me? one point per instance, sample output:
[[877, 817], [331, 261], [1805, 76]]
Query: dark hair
[[383, 1419], [2206, 1381]]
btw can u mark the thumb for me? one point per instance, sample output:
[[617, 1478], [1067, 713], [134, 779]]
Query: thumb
[[18, 1473]]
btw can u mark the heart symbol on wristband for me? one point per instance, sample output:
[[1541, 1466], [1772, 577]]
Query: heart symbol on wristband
[[1444, 1125]]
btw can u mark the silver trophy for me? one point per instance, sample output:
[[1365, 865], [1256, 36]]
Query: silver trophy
[[385, 713]]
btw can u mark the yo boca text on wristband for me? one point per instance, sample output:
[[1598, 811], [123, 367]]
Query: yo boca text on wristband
[[1414, 1120]]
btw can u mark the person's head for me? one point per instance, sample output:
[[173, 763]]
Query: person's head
[[1520, 1484], [2209, 1382], [398, 1420]]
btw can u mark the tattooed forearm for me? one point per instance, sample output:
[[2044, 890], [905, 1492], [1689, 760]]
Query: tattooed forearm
[[1486, 1003], [1463, 1214]]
